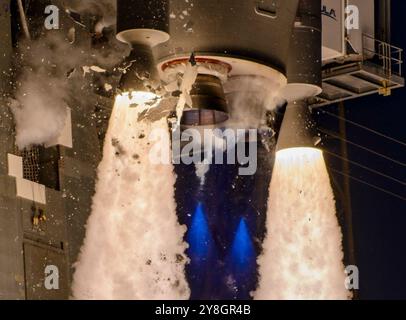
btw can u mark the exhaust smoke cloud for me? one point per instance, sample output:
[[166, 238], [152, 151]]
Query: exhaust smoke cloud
[[134, 246]]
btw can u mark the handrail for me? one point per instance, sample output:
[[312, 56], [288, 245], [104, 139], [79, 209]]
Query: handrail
[[390, 56]]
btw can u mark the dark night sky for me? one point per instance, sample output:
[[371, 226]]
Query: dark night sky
[[380, 219]]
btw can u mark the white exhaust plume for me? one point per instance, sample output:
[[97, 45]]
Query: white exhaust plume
[[303, 256], [134, 246]]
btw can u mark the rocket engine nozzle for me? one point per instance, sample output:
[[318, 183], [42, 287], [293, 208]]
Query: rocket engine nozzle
[[209, 103]]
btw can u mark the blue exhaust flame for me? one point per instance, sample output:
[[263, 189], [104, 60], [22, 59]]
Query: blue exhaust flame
[[242, 250], [199, 237], [241, 264]]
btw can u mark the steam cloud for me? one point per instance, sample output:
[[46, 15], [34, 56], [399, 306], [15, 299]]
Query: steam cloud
[[40, 106], [249, 97], [49, 77]]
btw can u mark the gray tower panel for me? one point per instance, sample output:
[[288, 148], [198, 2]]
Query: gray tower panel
[[37, 258]]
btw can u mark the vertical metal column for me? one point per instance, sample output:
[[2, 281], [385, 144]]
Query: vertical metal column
[[347, 204], [383, 20]]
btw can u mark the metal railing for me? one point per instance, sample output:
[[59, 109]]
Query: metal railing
[[389, 57]]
